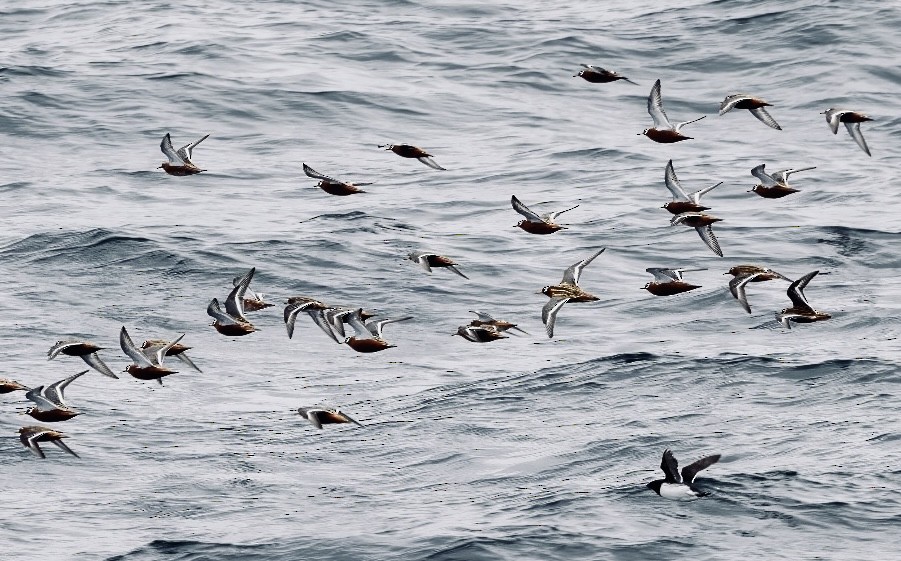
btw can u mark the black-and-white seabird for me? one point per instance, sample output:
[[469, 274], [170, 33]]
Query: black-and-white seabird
[[680, 487]]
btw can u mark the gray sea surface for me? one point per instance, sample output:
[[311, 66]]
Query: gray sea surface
[[525, 448]]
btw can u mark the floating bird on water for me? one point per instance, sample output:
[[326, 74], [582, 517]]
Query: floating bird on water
[[753, 104], [319, 416], [408, 151], [368, 337], [774, 186], [151, 346], [535, 224], [483, 334], [179, 163], [567, 291], [7, 386], [486, 320], [333, 186], [703, 224], [233, 322], [682, 201], [663, 130], [668, 282], [852, 120], [87, 351], [144, 367], [51, 406], [429, 260], [743, 274], [678, 487], [801, 311], [598, 75], [30, 436]]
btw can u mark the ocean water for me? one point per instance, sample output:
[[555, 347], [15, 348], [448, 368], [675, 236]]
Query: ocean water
[[525, 448]]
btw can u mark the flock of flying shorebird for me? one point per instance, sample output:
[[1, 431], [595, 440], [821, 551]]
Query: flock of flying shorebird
[[148, 360]]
